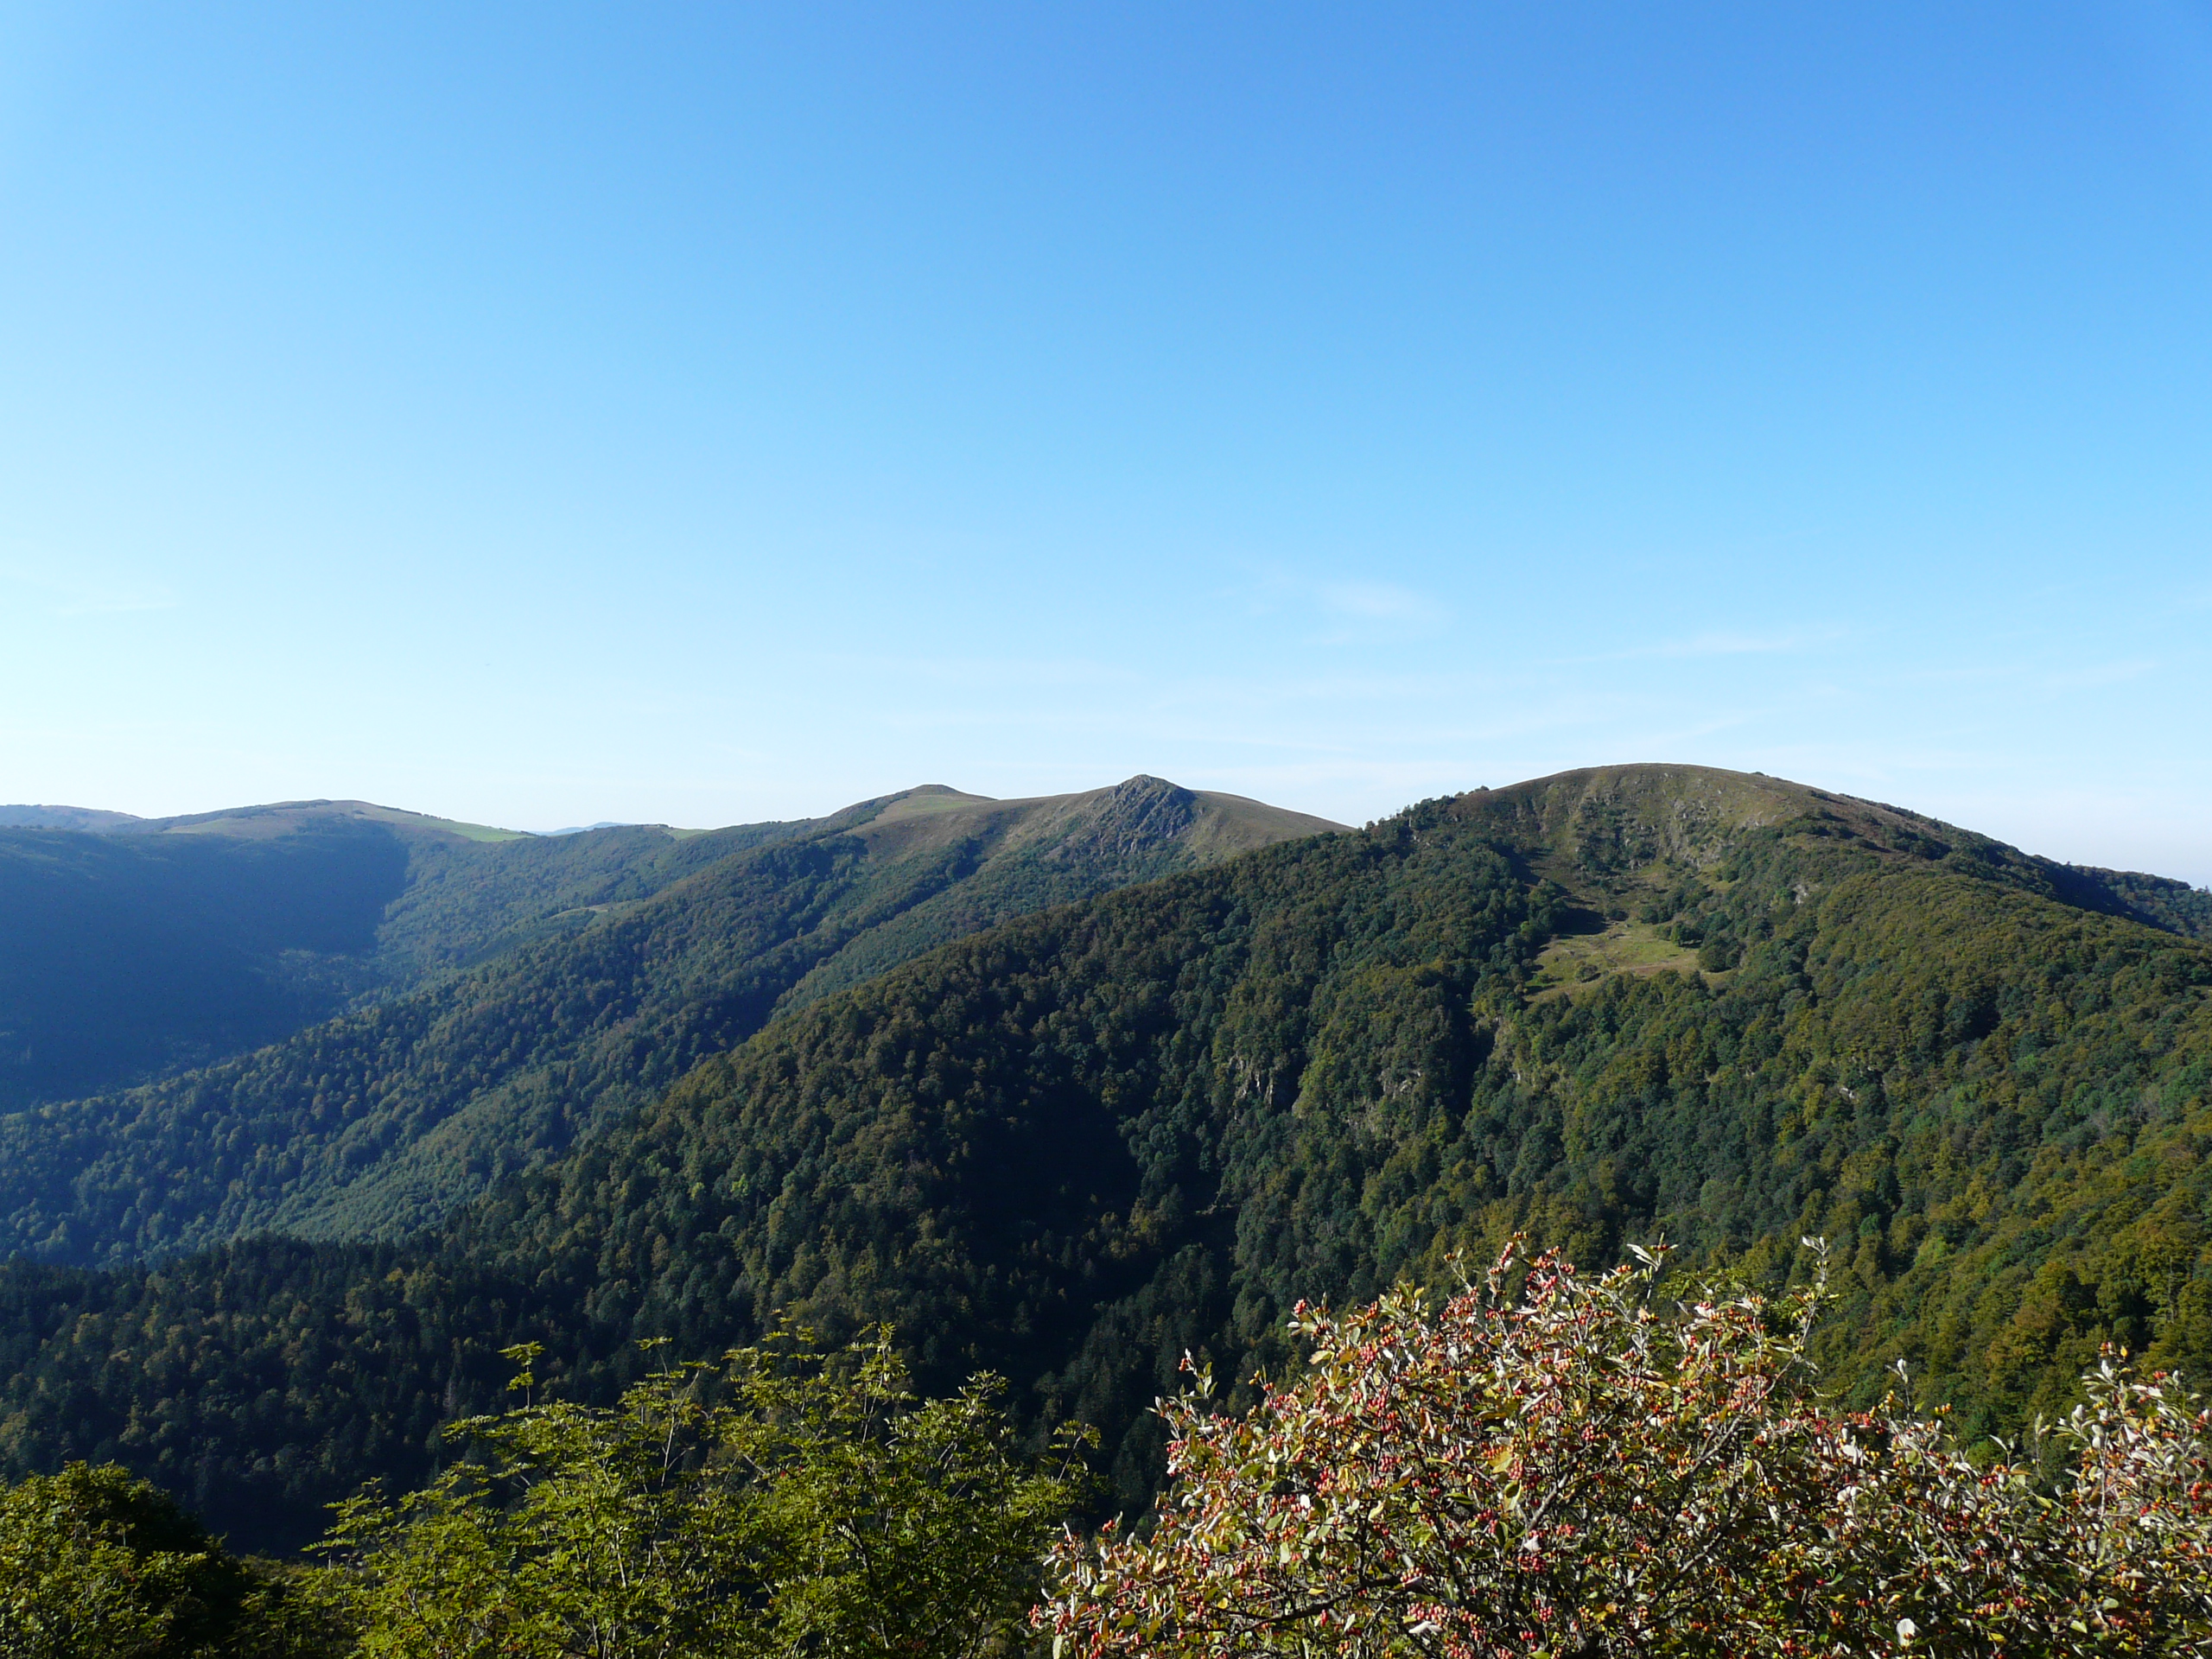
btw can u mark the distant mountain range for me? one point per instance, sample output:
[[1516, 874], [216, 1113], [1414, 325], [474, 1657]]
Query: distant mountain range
[[62, 817], [249, 822], [1069, 1088], [134, 947], [525, 988]]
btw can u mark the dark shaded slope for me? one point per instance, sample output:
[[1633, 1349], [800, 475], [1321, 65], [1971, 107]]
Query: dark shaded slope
[[136, 947], [2155, 900], [468, 891], [379, 1121], [1080, 1143], [123, 958]]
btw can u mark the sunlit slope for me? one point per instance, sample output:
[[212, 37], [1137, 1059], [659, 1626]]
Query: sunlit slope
[[267, 822], [1080, 1143], [381, 1119], [1024, 854], [1610, 833]]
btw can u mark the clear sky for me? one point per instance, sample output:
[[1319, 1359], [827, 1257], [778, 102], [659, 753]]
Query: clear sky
[[544, 414]]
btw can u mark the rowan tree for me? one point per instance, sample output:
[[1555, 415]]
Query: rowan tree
[[1551, 1464]]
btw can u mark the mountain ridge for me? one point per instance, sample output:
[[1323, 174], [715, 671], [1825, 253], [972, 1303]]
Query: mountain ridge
[[1100, 1135], [138, 952], [376, 1121], [1335, 1060], [1605, 1007], [27, 816]]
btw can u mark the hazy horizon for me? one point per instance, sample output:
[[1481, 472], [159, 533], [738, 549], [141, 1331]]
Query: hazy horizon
[[537, 418], [827, 809]]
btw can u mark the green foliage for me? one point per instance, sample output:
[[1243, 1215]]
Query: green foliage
[[800, 1502], [1093, 1139], [1075, 1146], [1570, 1469], [2157, 900], [379, 1121], [95, 1565], [261, 1381], [466, 902]]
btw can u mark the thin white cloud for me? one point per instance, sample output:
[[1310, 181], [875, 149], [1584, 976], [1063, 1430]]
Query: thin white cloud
[[1735, 645], [1375, 602], [78, 592], [1718, 644], [1373, 613], [1349, 610], [2086, 678]]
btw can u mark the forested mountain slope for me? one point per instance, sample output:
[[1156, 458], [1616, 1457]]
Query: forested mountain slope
[[1604, 1007], [1601, 1008], [120, 958], [466, 902], [131, 947], [379, 1120], [2159, 899]]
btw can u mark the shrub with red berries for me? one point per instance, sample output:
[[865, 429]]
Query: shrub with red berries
[[1553, 1463]]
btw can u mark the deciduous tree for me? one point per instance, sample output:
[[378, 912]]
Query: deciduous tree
[[1557, 1465], [797, 1502]]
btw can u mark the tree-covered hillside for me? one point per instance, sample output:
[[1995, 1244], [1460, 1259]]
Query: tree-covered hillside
[[617, 961], [467, 901], [1077, 1146], [1600, 1009], [125, 956], [133, 947]]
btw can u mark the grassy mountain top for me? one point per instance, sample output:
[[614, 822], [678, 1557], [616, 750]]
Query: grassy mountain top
[[1620, 830], [1617, 836], [290, 817], [1143, 814], [27, 816], [584, 975], [1599, 819]]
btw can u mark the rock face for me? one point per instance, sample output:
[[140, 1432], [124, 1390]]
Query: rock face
[[1142, 814]]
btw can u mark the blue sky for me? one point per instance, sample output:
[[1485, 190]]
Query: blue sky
[[546, 414]]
